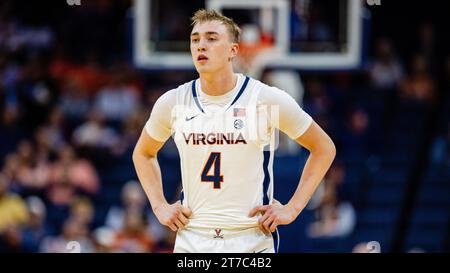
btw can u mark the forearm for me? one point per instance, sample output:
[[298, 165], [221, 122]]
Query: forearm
[[149, 174], [318, 163]]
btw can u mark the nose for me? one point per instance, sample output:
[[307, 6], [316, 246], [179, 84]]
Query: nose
[[201, 46]]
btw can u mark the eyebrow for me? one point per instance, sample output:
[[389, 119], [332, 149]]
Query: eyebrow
[[207, 33]]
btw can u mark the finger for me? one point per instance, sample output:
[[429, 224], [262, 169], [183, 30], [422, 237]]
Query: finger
[[257, 209], [261, 222], [172, 227], [263, 218], [186, 211], [183, 219], [273, 226], [261, 227], [267, 223], [178, 223]]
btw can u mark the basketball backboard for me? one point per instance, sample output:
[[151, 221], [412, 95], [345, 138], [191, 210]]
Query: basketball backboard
[[303, 34]]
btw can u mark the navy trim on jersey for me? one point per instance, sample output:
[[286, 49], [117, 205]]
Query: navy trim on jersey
[[276, 241], [194, 94], [266, 181], [240, 91], [182, 196]]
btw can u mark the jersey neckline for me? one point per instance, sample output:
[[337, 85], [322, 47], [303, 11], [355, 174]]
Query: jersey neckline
[[225, 108]]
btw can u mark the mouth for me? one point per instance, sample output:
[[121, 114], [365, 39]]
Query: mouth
[[202, 58]]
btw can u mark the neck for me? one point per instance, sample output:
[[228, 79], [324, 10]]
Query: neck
[[216, 84]]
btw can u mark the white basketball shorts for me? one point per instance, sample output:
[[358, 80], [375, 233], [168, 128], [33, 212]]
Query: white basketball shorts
[[195, 240]]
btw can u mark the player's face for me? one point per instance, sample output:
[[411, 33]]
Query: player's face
[[211, 47]]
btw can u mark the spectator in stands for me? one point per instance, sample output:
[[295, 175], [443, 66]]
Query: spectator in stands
[[133, 237], [54, 129], [10, 171], [131, 130], [118, 99], [43, 146], [104, 238], [82, 210], [13, 210], [356, 138], [23, 169], [70, 174], [335, 218], [19, 165], [29, 166], [33, 233], [74, 101], [386, 71], [419, 85], [73, 230], [10, 239], [94, 134], [86, 77], [134, 200]]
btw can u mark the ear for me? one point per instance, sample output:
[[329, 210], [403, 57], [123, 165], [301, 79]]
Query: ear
[[234, 50]]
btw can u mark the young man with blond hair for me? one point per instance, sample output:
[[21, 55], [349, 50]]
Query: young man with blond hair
[[223, 124]]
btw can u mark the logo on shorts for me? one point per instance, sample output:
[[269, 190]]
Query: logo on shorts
[[218, 235]]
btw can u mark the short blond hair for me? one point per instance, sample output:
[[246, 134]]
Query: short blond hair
[[203, 15]]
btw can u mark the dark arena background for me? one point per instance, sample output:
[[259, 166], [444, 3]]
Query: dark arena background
[[78, 79]]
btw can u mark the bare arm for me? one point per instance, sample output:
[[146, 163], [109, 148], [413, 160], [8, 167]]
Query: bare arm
[[322, 153], [147, 168], [149, 173]]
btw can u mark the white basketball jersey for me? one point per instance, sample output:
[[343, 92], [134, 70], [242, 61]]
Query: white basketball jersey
[[226, 153]]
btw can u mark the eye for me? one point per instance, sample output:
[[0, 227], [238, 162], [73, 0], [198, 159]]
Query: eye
[[212, 39], [194, 40]]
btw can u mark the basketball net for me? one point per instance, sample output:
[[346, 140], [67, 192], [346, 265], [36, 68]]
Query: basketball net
[[255, 50]]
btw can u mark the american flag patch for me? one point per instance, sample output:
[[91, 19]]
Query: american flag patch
[[238, 112]]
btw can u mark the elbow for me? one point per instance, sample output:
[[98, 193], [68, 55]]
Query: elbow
[[135, 155], [329, 149], [332, 150], [326, 150], [139, 155]]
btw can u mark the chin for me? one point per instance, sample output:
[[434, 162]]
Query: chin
[[203, 69]]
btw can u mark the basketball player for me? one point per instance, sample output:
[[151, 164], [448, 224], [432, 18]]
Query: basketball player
[[227, 203]]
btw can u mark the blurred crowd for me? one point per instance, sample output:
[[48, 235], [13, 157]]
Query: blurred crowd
[[67, 111], [65, 115]]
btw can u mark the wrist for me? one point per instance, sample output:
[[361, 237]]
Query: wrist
[[157, 205], [295, 208]]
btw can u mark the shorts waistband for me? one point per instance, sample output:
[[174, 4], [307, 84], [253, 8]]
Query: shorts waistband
[[219, 233]]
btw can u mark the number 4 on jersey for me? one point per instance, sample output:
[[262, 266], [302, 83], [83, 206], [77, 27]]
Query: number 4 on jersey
[[217, 178]]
